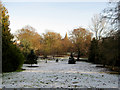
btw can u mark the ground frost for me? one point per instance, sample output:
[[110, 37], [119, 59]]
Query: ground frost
[[61, 75]]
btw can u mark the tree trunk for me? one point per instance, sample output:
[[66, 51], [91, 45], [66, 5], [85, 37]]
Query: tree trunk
[[53, 57], [103, 65], [78, 56]]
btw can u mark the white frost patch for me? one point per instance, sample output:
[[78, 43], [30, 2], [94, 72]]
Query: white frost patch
[[61, 74]]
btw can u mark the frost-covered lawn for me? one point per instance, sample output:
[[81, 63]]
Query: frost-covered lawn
[[61, 75]]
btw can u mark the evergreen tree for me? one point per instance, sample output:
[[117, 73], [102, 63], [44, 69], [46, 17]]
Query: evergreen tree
[[31, 58], [12, 58], [93, 51]]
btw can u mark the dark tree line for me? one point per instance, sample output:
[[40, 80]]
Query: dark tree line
[[106, 50]]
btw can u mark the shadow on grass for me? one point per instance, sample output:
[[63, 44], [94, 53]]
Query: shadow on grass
[[32, 66], [110, 69]]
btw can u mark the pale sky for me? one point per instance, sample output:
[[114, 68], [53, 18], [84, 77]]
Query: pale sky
[[59, 17]]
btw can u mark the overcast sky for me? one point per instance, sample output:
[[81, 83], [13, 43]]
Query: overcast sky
[[59, 17]]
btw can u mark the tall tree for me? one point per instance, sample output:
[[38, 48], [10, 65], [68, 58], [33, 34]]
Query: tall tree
[[81, 39], [12, 58], [98, 26], [94, 51], [111, 43], [29, 38], [112, 16], [106, 50], [0, 37], [66, 44], [51, 43]]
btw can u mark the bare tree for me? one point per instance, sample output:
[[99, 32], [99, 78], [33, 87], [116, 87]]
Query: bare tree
[[98, 26], [112, 16]]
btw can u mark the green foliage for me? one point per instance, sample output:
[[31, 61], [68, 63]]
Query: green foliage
[[71, 59], [118, 50], [93, 51], [25, 45], [12, 58], [31, 58], [105, 51], [109, 51], [6, 35]]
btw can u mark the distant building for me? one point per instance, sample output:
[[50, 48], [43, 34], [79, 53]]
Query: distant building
[[66, 37]]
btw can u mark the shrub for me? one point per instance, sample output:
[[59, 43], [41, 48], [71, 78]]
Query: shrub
[[12, 58]]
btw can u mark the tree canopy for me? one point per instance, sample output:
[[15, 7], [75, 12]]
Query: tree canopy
[[81, 38]]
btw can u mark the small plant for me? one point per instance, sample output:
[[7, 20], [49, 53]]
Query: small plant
[[71, 59], [32, 58]]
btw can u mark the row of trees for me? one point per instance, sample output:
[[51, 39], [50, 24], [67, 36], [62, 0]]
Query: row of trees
[[28, 41], [51, 43], [104, 47]]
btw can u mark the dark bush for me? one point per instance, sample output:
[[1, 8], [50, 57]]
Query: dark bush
[[71, 60], [12, 58], [31, 58]]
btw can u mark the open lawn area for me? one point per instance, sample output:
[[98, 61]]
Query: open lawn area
[[61, 75]]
